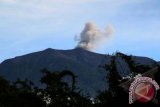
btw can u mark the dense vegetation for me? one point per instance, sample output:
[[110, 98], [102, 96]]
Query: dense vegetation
[[58, 93]]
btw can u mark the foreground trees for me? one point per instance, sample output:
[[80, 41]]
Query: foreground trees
[[56, 92], [18, 94]]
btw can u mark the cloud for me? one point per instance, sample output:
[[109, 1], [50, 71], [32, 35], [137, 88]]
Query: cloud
[[9, 1], [23, 21], [91, 36], [38, 8], [33, 9]]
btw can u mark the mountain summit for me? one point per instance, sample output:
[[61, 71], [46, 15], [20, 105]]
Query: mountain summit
[[84, 64]]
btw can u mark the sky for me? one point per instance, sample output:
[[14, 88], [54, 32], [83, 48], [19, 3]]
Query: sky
[[28, 26]]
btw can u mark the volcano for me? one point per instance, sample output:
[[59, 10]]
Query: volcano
[[84, 64]]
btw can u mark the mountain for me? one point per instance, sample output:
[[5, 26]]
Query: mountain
[[84, 64]]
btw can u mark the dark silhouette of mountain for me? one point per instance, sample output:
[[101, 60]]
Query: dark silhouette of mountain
[[84, 64]]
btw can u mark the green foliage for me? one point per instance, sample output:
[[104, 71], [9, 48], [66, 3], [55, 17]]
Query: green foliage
[[104, 98], [18, 94], [113, 76], [115, 95], [58, 91], [107, 97], [135, 68]]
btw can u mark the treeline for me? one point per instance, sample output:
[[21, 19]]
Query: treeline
[[58, 93]]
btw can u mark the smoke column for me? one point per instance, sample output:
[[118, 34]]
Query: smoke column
[[92, 37]]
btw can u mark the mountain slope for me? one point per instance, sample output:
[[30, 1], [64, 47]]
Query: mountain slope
[[84, 64]]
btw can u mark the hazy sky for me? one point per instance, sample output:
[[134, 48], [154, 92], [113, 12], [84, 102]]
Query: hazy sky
[[32, 25]]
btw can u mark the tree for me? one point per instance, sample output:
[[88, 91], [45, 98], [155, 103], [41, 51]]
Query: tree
[[113, 76], [58, 93], [21, 95], [109, 96]]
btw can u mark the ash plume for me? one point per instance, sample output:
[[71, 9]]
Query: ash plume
[[92, 37]]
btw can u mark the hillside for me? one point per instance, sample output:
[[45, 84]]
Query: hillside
[[84, 64]]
